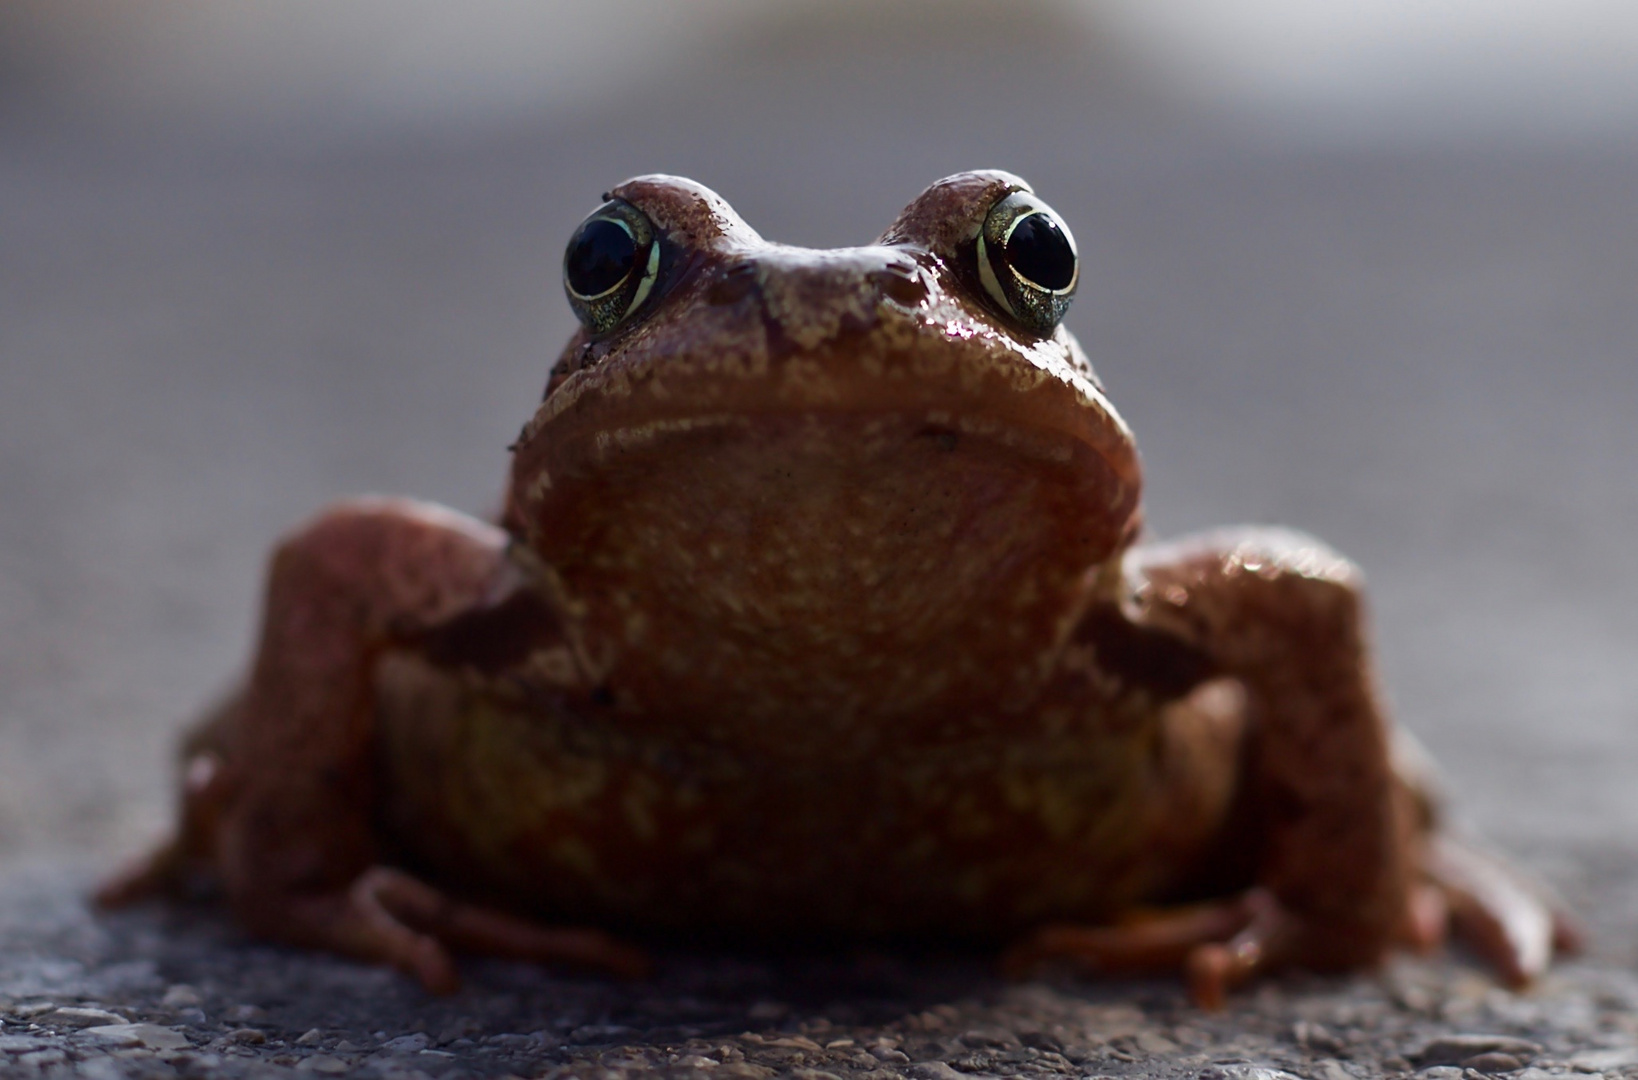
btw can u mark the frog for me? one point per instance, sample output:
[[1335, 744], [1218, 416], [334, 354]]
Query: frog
[[819, 612]]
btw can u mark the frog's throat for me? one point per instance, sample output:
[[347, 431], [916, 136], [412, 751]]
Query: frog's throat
[[741, 570]]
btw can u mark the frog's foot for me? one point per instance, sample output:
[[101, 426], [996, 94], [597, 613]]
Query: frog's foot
[[1217, 945], [1513, 923], [158, 873], [389, 917], [181, 866]]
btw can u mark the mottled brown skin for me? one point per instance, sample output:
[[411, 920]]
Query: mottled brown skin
[[816, 614]]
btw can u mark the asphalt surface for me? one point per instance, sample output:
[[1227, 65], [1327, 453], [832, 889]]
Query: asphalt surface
[[1426, 354]]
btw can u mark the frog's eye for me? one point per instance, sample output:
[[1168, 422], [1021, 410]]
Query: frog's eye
[[610, 265], [1027, 261]]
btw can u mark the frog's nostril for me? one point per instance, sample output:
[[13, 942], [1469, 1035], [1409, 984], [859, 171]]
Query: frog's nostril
[[736, 283]]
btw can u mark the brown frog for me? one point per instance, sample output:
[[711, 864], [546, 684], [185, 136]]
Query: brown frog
[[816, 612]]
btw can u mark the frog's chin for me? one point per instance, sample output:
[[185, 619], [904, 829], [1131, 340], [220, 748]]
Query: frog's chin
[[844, 475], [1032, 413], [829, 504], [736, 544]]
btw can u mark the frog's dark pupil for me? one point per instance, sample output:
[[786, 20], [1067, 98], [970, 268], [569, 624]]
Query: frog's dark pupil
[[599, 258], [1039, 250]]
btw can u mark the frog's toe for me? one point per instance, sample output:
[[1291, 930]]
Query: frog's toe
[[1513, 923], [1217, 945], [389, 917], [360, 922], [471, 928], [154, 874]]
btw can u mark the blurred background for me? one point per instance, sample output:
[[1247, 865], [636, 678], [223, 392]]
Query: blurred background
[[1365, 269]]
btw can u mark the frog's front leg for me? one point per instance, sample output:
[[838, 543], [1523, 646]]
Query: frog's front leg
[[1282, 613], [1340, 856], [280, 798]]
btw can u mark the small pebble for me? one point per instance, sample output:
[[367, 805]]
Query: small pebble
[[1152, 1042], [180, 996], [936, 1070], [75, 1016], [100, 1068], [408, 1044], [1245, 1072], [992, 1038], [1315, 1036], [1493, 1061], [323, 1063], [249, 1036], [1609, 1060], [153, 1036], [311, 1038], [42, 1058], [30, 1010], [1454, 1049]]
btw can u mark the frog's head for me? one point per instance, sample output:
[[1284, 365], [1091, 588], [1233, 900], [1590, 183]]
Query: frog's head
[[770, 433]]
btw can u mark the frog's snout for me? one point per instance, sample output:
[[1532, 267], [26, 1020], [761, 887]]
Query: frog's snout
[[813, 296], [897, 278]]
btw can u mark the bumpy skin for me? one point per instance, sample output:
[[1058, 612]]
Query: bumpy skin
[[816, 613]]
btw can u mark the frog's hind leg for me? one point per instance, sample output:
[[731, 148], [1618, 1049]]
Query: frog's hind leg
[[1342, 859], [1281, 614], [1466, 891], [280, 798], [1512, 921]]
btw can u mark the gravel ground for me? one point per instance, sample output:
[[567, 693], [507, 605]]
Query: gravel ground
[[166, 992]]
